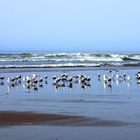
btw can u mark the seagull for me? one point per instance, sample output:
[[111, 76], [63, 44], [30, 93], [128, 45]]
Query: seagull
[[129, 78], [46, 77], [2, 78]]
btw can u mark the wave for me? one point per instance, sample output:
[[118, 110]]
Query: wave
[[68, 60], [50, 65], [69, 56], [112, 64]]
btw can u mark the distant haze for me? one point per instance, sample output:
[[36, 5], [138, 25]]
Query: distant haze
[[70, 25]]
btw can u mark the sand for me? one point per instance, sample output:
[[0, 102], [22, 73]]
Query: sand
[[41, 126], [69, 133], [11, 118]]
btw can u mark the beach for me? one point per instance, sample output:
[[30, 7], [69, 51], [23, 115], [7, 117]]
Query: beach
[[46, 112], [68, 133], [69, 70]]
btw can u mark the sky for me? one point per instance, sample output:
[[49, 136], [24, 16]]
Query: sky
[[70, 25]]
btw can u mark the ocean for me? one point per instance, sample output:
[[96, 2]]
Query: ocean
[[52, 60]]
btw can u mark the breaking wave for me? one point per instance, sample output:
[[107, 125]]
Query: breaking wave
[[24, 60]]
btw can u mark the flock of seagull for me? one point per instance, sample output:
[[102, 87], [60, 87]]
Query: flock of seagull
[[66, 80]]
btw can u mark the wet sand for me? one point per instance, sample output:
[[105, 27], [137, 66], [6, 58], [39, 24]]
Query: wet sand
[[69, 133], [11, 118], [95, 112]]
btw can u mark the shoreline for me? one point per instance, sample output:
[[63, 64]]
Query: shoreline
[[14, 118], [59, 69]]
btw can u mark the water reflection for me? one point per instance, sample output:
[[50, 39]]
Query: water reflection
[[67, 82], [1, 83]]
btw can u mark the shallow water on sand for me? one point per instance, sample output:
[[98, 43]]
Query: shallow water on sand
[[120, 102], [69, 133]]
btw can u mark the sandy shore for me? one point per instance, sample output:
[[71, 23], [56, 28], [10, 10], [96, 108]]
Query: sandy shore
[[47, 113], [37, 126], [8, 118]]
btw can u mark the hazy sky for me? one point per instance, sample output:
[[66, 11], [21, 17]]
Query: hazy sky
[[70, 25]]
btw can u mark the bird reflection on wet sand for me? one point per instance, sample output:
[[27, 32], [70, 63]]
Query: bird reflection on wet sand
[[66, 81]]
